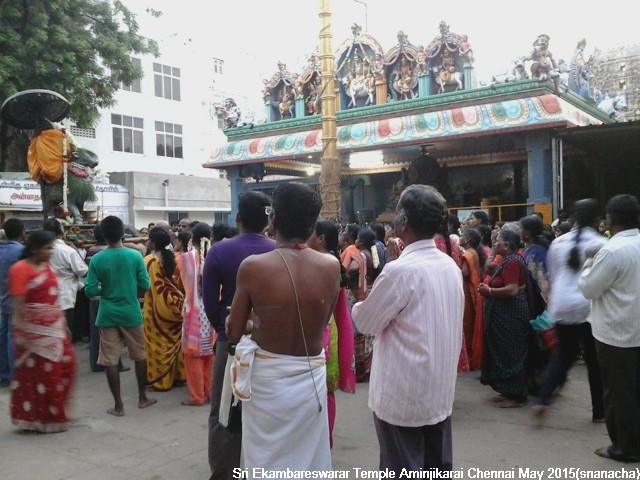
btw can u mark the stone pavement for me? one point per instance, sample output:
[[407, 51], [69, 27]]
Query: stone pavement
[[169, 441]]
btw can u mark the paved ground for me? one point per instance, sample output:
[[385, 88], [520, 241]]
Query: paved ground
[[169, 441]]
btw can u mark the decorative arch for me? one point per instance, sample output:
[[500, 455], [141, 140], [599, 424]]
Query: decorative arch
[[358, 68], [402, 65]]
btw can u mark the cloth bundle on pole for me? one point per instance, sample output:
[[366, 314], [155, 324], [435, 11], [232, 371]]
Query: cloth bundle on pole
[[45, 156]]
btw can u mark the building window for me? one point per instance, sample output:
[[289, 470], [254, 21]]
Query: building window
[[136, 85], [167, 81], [127, 133], [168, 140], [217, 65]]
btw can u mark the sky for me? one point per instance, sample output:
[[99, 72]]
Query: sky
[[253, 35]]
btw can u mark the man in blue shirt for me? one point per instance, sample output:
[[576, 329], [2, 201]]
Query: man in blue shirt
[[10, 252], [218, 288]]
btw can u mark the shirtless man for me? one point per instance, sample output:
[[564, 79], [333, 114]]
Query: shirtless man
[[290, 310]]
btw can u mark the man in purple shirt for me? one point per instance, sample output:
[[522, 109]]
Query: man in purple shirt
[[218, 289]]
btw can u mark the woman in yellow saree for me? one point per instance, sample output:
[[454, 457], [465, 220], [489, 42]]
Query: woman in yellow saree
[[163, 315]]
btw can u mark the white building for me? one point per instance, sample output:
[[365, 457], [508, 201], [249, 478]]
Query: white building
[[166, 124]]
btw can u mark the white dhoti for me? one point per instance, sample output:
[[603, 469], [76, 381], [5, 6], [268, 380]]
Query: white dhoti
[[282, 425]]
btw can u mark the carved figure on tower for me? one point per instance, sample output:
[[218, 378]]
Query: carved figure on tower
[[543, 66], [402, 67], [580, 73], [447, 54], [279, 92], [359, 66]]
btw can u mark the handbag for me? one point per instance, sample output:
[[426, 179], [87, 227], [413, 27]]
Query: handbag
[[545, 329]]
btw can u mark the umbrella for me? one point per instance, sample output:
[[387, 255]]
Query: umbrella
[[34, 109]]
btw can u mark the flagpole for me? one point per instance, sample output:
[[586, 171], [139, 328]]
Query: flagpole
[[330, 161]]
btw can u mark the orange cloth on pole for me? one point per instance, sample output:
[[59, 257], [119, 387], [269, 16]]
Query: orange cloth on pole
[[45, 155]]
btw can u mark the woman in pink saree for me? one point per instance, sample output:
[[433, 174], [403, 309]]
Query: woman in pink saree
[[338, 336], [198, 338], [45, 361], [362, 272]]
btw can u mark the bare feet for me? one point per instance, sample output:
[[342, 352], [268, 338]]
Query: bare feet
[[509, 403], [539, 414], [116, 412], [147, 402], [191, 403]]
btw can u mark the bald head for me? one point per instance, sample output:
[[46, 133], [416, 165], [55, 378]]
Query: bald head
[[164, 225], [184, 225]]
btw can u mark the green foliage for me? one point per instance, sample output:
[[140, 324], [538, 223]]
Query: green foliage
[[80, 191], [78, 48]]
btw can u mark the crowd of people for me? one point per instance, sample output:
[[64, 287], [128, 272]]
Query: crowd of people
[[237, 317]]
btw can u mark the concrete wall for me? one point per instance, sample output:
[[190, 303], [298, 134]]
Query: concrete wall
[[202, 198]]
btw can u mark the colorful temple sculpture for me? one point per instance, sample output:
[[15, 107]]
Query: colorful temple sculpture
[[416, 114]]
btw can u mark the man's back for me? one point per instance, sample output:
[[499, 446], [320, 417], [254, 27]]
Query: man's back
[[70, 269], [612, 284], [117, 274], [415, 310], [270, 288]]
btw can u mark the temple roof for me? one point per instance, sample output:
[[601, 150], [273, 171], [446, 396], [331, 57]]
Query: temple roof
[[438, 120]]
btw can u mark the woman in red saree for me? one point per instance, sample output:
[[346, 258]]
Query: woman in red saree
[[448, 243], [471, 264], [45, 366], [338, 336]]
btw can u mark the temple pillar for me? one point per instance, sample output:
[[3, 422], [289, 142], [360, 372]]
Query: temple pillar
[[468, 76], [540, 168], [337, 93], [299, 107], [237, 186], [381, 92], [424, 85]]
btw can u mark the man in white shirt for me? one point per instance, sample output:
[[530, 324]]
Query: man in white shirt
[[71, 269], [415, 311], [611, 280]]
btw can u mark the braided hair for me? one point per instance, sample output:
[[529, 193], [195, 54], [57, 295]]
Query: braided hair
[[329, 229], [201, 240], [585, 215], [160, 239]]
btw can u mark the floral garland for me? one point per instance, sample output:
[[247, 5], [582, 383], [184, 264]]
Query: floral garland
[[205, 245], [66, 141], [78, 170], [65, 174], [375, 257]]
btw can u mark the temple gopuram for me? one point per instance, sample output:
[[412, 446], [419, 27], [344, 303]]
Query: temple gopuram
[[532, 138]]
